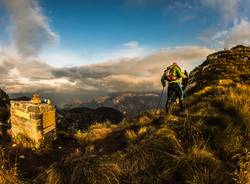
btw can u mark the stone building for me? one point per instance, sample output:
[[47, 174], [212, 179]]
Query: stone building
[[34, 120]]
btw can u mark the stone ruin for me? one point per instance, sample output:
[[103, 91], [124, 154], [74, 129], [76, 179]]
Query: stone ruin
[[32, 119]]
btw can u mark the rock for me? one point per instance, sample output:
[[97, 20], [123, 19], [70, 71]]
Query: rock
[[4, 111], [223, 68]]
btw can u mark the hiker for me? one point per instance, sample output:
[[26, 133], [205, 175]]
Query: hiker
[[173, 76]]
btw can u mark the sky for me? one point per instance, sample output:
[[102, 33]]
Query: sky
[[81, 49]]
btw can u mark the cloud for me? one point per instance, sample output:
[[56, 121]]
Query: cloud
[[239, 33], [19, 75], [162, 3], [229, 9], [133, 68], [132, 45], [32, 79], [132, 74], [141, 73], [30, 30]]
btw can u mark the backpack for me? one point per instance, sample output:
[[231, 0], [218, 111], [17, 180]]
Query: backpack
[[170, 74]]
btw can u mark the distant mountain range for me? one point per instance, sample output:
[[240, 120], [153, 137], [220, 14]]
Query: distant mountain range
[[129, 103]]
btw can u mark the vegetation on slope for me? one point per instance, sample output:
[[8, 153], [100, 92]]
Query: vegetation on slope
[[207, 143]]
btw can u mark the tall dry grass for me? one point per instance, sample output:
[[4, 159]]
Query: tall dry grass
[[81, 168], [8, 171]]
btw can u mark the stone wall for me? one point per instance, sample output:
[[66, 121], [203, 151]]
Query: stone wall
[[32, 121]]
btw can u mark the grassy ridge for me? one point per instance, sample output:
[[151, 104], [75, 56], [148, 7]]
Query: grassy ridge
[[207, 143]]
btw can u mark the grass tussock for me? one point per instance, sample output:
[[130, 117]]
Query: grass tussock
[[80, 167], [95, 132], [143, 130], [242, 174], [236, 103], [202, 166], [8, 171], [146, 158], [9, 177], [131, 135]]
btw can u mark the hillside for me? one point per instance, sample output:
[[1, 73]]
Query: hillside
[[208, 143], [81, 118], [231, 66], [4, 111], [129, 103]]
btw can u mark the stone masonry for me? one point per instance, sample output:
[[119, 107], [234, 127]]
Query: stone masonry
[[33, 121]]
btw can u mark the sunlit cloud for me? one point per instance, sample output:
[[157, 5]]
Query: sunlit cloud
[[239, 33]]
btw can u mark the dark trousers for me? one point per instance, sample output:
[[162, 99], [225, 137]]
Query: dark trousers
[[174, 91]]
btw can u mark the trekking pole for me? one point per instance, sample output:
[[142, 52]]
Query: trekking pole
[[160, 98]]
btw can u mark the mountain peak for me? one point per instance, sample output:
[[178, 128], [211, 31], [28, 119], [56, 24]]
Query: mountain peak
[[229, 64]]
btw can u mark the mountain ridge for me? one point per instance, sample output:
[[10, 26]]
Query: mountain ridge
[[122, 101], [208, 142]]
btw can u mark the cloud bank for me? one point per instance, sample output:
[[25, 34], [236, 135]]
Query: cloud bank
[[30, 30], [22, 71], [239, 33], [136, 74], [85, 82]]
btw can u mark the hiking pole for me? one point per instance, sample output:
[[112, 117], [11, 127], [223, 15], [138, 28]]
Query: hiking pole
[[160, 98]]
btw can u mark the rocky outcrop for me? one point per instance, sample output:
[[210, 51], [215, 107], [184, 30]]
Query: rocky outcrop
[[231, 66], [4, 111]]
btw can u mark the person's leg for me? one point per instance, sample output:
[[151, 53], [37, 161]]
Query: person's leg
[[179, 93], [169, 97]]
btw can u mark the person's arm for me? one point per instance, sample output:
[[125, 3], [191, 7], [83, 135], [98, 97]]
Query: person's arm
[[163, 79], [180, 73]]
